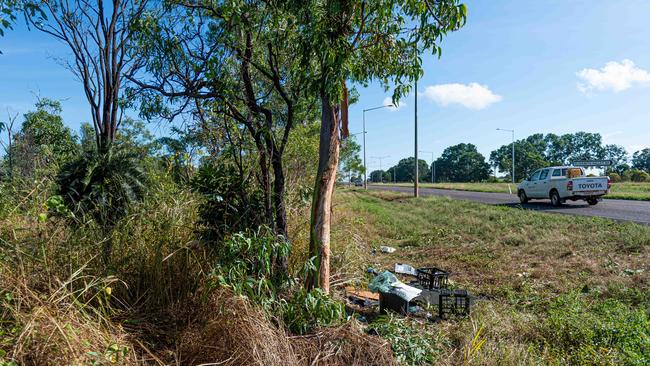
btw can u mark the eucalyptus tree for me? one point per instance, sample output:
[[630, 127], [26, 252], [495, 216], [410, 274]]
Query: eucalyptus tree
[[9, 9], [99, 36], [343, 41], [230, 62]]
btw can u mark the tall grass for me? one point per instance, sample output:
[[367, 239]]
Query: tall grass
[[61, 301]]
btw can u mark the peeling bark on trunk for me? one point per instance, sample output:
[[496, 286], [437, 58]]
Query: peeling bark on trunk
[[328, 158]]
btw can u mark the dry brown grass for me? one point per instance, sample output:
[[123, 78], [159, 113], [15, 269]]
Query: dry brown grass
[[343, 345], [57, 326], [232, 331], [229, 330]]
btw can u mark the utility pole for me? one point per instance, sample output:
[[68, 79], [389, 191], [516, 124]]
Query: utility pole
[[380, 159], [513, 151], [365, 170], [416, 186], [433, 166]]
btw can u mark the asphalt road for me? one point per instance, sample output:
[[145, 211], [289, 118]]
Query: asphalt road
[[622, 210]]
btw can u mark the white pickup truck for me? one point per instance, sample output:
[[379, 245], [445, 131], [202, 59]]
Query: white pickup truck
[[562, 183]]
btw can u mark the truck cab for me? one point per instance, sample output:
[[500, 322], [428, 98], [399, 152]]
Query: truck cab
[[562, 183]]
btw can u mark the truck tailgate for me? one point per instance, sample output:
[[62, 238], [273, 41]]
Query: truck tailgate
[[590, 186]]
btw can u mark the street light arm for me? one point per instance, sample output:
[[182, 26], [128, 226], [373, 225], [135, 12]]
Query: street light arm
[[380, 107]]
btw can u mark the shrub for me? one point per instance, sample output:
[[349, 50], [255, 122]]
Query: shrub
[[412, 343], [232, 204], [102, 186], [307, 310], [614, 177], [246, 264], [5, 200], [635, 175], [640, 176], [586, 333]]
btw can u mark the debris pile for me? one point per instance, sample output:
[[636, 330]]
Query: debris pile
[[427, 294]]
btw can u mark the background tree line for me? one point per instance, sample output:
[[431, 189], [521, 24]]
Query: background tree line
[[463, 163], [539, 150]]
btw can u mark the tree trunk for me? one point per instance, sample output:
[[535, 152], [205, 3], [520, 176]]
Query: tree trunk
[[328, 158], [280, 210], [266, 186]]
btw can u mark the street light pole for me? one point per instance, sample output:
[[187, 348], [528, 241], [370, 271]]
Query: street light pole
[[380, 158], [513, 151], [417, 184], [365, 170]]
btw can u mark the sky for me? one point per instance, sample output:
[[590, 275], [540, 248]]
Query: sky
[[536, 67]]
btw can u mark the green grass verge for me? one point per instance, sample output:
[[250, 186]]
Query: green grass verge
[[554, 289], [624, 191]]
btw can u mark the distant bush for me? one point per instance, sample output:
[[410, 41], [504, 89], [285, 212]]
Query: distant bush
[[614, 177], [636, 175], [231, 205], [640, 176], [603, 333]]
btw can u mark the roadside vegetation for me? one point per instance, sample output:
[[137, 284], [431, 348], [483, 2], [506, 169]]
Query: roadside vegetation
[[623, 190]]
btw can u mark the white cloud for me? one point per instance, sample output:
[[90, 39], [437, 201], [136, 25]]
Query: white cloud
[[607, 136], [631, 149], [472, 95], [613, 76], [389, 101]]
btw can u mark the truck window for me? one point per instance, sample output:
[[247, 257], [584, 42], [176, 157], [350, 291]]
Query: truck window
[[557, 172], [535, 175], [543, 175]]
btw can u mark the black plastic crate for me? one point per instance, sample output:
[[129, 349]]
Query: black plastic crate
[[432, 278], [388, 301], [456, 302]]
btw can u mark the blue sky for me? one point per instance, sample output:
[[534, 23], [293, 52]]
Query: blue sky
[[545, 66]]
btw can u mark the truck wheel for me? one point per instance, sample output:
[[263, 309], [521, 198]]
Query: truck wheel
[[555, 199], [522, 196], [592, 201]]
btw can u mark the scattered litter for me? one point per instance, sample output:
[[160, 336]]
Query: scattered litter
[[405, 269], [405, 291], [432, 278], [456, 302], [387, 249], [632, 272], [386, 282], [430, 290], [393, 293], [382, 282], [389, 301], [361, 297]]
